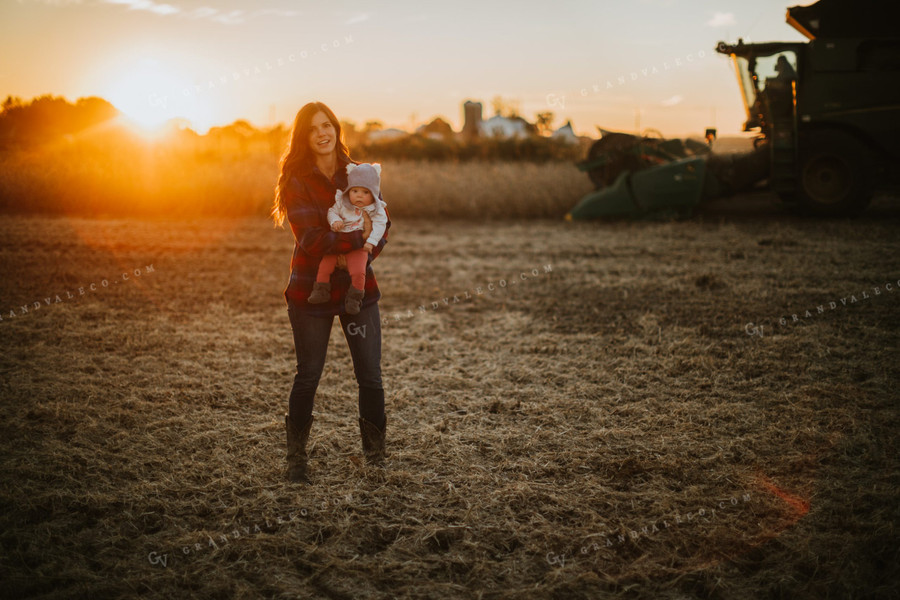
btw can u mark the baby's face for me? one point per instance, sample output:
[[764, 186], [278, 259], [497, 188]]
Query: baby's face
[[360, 196]]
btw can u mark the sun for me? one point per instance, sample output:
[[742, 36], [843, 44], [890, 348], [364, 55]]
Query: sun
[[144, 92]]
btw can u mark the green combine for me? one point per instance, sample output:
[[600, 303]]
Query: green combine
[[827, 113]]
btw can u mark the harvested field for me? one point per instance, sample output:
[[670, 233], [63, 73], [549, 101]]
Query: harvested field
[[624, 416]]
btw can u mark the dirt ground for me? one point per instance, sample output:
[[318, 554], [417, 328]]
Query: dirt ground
[[575, 410]]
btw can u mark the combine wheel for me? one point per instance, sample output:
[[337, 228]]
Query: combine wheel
[[835, 175]]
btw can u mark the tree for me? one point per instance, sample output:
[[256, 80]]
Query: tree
[[352, 135], [543, 121], [499, 105], [11, 103], [505, 108], [46, 118]]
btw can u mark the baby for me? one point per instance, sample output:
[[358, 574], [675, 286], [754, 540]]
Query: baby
[[351, 206]]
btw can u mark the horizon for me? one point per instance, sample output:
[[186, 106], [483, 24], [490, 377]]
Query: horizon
[[182, 124], [403, 65]]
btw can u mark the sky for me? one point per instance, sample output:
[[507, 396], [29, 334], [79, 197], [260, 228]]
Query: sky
[[618, 64]]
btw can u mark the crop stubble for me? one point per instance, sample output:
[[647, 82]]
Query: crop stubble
[[531, 426]]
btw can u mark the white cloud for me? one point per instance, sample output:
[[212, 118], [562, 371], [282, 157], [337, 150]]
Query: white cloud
[[275, 12], [672, 101], [148, 5], [53, 2], [204, 12], [230, 18], [721, 19], [357, 19]]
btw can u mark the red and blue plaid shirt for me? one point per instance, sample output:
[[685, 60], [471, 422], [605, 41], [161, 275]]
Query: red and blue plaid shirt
[[309, 196]]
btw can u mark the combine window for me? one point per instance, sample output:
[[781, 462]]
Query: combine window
[[770, 76], [777, 67]]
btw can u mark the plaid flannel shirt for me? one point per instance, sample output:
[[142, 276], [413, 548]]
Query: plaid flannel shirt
[[309, 196]]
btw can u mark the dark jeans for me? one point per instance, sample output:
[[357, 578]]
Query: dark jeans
[[311, 334]]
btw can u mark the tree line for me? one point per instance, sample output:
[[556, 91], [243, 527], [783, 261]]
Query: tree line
[[48, 119]]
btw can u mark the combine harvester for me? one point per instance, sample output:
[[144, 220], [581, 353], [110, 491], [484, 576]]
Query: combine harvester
[[827, 112]]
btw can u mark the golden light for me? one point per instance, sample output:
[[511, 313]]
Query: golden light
[[143, 92]]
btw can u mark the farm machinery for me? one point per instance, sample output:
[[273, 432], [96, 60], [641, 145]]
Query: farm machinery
[[827, 113]]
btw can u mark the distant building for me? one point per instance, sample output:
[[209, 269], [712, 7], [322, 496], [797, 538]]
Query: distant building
[[507, 127], [471, 119], [438, 129], [565, 133], [386, 135], [474, 126]]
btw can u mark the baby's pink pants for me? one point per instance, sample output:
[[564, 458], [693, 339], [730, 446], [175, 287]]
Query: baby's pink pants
[[356, 265]]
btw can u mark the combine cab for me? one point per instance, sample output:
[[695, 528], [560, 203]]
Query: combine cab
[[827, 112]]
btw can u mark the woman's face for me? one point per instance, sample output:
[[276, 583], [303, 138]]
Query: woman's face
[[322, 135]]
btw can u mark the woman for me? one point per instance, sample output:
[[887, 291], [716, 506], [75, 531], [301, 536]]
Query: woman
[[312, 169]]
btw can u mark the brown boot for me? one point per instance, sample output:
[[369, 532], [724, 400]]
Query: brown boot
[[321, 292], [296, 449], [372, 441], [353, 300]]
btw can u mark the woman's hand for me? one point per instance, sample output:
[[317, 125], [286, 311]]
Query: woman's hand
[[337, 225], [369, 247]]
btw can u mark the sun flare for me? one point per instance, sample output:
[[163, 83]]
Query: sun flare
[[143, 94]]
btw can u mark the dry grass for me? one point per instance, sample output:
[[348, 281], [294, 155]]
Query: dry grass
[[482, 190], [617, 392], [122, 177]]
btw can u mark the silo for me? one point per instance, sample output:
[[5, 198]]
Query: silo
[[472, 116]]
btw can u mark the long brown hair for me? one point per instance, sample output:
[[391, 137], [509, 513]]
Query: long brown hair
[[298, 154]]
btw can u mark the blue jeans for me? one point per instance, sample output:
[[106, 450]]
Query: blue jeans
[[311, 335]]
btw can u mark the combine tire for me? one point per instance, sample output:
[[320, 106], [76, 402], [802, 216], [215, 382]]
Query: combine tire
[[835, 179]]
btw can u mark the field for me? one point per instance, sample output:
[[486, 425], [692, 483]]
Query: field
[[575, 410]]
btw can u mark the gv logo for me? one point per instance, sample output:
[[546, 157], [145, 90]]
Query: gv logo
[[156, 100], [751, 330], [556, 559], [554, 100], [353, 329]]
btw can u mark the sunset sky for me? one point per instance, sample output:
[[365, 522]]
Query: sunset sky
[[400, 62]]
